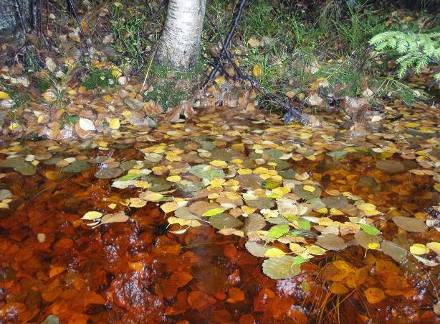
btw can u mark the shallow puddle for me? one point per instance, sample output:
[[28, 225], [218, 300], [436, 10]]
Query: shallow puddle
[[141, 269]]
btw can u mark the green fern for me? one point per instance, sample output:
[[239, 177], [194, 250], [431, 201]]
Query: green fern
[[414, 50]]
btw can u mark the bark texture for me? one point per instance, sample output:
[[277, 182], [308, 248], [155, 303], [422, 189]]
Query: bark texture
[[179, 44], [13, 13]]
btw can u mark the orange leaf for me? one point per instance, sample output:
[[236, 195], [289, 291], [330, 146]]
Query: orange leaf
[[374, 295]]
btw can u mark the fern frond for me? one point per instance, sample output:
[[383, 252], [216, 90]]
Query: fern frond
[[413, 50]]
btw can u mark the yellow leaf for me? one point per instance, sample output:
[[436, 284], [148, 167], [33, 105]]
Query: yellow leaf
[[216, 183], [296, 248], [116, 73], [309, 188], [315, 250], [142, 184], [244, 171], [220, 80], [373, 245], [257, 71], [335, 212], [368, 209], [247, 210], [151, 196], [219, 163], [213, 212], [435, 246], [114, 123], [92, 215], [418, 249], [136, 202], [4, 95], [169, 207], [274, 253], [184, 222], [174, 178], [437, 187]]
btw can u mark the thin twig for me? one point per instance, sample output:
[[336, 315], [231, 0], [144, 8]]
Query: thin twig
[[148, 69], [227, 42]]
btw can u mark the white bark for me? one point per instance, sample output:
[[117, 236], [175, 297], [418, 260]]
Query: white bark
[[179, 44]]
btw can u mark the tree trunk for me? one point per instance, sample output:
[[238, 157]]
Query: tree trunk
[[179, 44], [14, 16]]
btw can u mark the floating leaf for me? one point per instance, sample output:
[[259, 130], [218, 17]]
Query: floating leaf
[[118, 217], [315, 250], [76, 167], [369, 229], [393, 250], [274, 253], [434, 246], [256, 249], [220, 221], [169, 207], [183, 222], [151, 196], [304, 224], [213, 212], [278, 230], [418, 249], [92, 215], [136, 202], [410, 224], [331, 242], [281, 268], [368, 209]]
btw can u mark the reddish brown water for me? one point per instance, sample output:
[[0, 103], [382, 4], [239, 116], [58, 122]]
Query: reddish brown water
[[138, 272]]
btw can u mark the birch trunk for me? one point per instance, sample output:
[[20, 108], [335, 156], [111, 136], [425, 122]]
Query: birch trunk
[[179, 44]]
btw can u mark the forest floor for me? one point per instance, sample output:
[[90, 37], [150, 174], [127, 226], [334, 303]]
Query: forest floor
[[126, 195]]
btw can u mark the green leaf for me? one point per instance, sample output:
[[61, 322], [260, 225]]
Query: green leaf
[[369, 229], [304, 224], [278, 230], [298, 260], [129, 176], [213, 211]]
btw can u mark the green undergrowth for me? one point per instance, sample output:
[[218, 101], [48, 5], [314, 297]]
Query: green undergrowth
[[168, 87], [135, 27], [295, 48]]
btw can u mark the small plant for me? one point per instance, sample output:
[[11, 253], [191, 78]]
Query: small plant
[[413, 50], [99, 79]]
